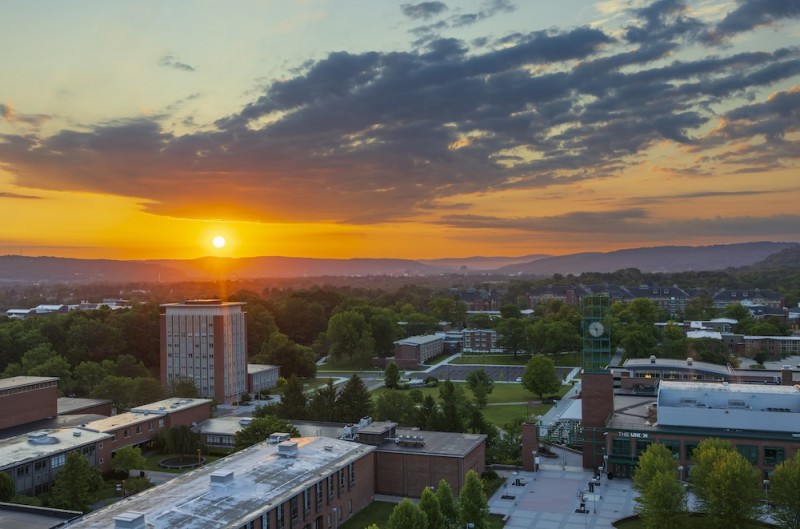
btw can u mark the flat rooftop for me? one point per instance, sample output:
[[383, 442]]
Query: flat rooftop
[[45, 443], [26, 517], [228, 425], [71, 405], [447, 444], [171, 405], [261, 480], [22, 381], [258, 368], [419, 340]]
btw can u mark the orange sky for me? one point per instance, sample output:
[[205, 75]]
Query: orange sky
[[436, 130]]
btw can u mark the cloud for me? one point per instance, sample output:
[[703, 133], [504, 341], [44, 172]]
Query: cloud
[[389, 136], [4, 194], [423, 10], [7, 112], [169, 61], [634, 221]]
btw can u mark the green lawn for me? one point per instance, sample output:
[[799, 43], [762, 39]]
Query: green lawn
[[379, 511]]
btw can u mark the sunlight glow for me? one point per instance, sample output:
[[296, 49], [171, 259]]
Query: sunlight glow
[[218, 241]]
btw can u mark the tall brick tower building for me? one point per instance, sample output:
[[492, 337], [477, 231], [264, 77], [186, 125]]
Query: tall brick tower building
[[205, 341]]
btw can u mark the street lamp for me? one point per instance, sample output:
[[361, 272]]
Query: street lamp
[[766, 494], [680, 473]]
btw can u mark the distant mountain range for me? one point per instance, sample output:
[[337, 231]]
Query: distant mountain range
[[15, 268]]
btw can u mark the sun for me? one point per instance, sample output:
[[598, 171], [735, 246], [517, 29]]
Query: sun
[[218, 241]]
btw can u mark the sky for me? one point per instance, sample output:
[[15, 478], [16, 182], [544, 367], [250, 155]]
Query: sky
[[348, 128]]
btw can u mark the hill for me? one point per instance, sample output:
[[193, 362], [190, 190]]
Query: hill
[[15, 268], [665, 259]]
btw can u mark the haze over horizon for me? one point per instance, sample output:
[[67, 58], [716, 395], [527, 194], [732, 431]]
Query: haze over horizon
[[342, 129]]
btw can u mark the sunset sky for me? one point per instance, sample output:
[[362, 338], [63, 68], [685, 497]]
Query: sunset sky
[[361, 128]]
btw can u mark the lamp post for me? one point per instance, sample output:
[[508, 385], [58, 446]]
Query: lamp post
[[680, 473], [766, 495]]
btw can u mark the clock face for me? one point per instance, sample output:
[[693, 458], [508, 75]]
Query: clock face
[[596, 329]]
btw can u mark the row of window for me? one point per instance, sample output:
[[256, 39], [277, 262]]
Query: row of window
[[26, 388], [772, 455], [341, 476]]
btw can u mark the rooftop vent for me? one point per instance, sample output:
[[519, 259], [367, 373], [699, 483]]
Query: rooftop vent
[[221, 478], [410, 440], [245, 421], [76, 433], [41, 438], [365, 421], [652, 359], [288, 449], [130, 520], [689, 361], [278, 437]]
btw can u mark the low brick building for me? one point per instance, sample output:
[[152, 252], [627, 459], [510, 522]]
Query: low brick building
[[414, 350], [302, 483], [27, 399]]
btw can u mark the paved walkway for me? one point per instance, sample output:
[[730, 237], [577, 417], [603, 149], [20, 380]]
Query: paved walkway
[[552, 497]]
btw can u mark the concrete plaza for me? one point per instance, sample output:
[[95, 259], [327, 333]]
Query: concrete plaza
[[551, 499]]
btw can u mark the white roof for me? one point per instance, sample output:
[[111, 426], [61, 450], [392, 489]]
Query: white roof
[[261, 479], [44, 443]]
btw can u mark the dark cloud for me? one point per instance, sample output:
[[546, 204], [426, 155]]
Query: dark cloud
[[376, 137], [423, 10], [752, 13], [18, 196], [635, 222], [169, 61]]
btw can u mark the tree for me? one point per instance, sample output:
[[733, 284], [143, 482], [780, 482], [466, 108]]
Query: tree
[[473, 507], [406, 515], [183, 387], [354, 401], [480, 385], [512, 336], [75, 484], [293, 400], [447, 503], [260, 429], [540, 376], [322, 406], [391, 376], [127, 458], [7, 490], [726, 485], [395, 406], [179, 440], [429, 504], [293, 358], [349, 337], [784, 498], [662, 499], [453, 411], [662, 504]]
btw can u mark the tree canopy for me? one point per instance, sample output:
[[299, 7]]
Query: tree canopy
[[540, 376]]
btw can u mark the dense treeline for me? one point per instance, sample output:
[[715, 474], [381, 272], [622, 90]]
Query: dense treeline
[[292, 323]]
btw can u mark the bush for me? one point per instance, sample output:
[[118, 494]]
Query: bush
[[431, 381]]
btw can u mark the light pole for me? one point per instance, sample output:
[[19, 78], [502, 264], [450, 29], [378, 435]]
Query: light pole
[[680, 473], [766, 495]]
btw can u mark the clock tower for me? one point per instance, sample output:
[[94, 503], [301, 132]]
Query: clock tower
[[597, 382]]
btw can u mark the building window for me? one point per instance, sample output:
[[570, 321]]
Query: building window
[[58, 461], [330, 488], [127, 432], [621, 447], [749, 452], [279, 520], [319, 494], [690, 448], [138, 428], [641, 446], [674, 447], [307, 500], [293, 509], [352, 469], [265, 521], [774, 455]]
